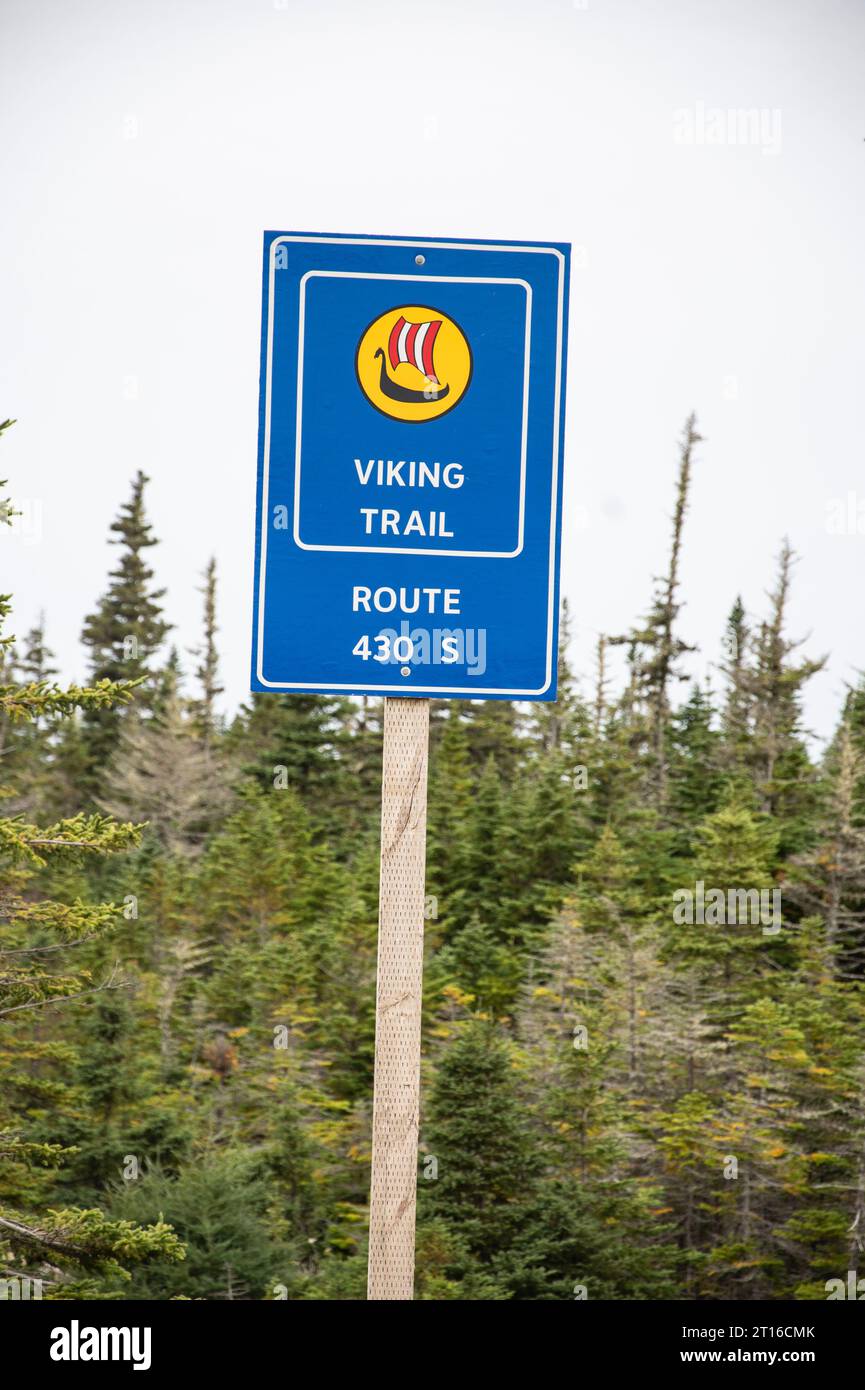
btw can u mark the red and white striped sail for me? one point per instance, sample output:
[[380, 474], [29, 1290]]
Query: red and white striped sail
[[414, 342]]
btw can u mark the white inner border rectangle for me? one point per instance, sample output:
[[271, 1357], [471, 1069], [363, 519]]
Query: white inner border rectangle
[[411, 279], [407, 688]]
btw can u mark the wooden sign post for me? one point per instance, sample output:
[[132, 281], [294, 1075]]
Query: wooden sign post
[[399, 981]]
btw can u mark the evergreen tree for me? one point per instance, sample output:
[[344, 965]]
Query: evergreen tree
[[125, 632], [219, 1206], [164, 772], [27, 747], [486, 1168], [207, 670], [293, 741], [696, 775], [560, 724], [655, 646], [829, 878], [783, 775], [737, 714]]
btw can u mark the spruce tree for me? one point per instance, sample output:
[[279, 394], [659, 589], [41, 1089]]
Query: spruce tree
[[294, 741], [783, 776], [163, 772], [28, 748], [125, 632], [560, 724], [655, 646], [738, 702], [828, 879], [207, 670], [477, 1132], [696, 777]]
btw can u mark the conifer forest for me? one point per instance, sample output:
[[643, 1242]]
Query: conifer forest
[[643, 1069]]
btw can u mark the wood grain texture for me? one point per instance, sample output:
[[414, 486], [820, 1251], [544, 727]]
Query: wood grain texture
[[396, 1093]]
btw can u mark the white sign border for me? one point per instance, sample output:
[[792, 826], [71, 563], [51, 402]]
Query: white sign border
[[413, 550]]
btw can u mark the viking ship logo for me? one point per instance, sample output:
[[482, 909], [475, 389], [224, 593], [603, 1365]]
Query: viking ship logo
[[411, 342], [413, 363]]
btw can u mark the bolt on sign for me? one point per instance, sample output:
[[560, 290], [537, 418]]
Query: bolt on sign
[[410, 464], [407, 545]]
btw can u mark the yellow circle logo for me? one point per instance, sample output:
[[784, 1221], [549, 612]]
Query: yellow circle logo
[[413, 363]]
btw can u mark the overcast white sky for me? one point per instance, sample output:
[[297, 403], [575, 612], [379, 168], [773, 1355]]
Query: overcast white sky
[[147, 143]]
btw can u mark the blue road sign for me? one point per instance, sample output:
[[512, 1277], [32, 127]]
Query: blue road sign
[[410, 466]]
